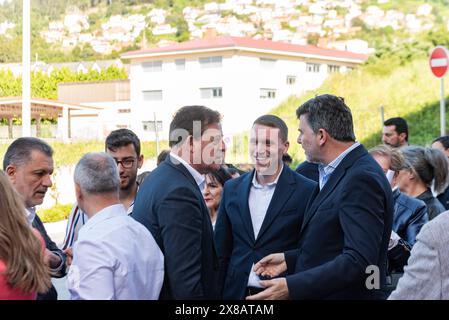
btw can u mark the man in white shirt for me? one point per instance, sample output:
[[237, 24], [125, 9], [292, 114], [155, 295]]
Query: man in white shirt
[[115, 257], [124, 146]]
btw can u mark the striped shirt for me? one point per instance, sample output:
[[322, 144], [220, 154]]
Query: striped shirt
[[326, 171], [77, 219]]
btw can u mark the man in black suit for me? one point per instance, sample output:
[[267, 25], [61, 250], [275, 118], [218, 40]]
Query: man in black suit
[[171, 206], [308, 170], [260, 212], [344, 238], [28, 163]]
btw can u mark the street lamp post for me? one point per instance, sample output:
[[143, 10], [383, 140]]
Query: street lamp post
[[26, 70]]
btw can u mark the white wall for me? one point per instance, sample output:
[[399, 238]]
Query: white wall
[[241, 77]]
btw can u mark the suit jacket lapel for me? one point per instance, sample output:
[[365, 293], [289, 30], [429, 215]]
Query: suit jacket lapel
[[333, 181], [190, 178], [284, 189], [244, 205]]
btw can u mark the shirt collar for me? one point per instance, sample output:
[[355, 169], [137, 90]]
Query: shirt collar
[[257, 185], [199, 178], [334, 163], [106, 213], [30, 214]]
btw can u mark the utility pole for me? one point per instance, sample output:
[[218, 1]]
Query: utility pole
[[26, 70]]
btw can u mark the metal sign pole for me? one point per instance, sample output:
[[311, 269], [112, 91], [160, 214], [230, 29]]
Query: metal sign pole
[[157, 134], [442, 109], [26, 70]]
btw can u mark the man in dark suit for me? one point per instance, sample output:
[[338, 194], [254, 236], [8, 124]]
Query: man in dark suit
[[308, 170], [28, 163], [344, 238], [171, 206], [261, 212]]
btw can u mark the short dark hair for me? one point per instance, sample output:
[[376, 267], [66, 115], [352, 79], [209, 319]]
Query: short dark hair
[[330, 113], [287, 158], [273, 121], [161, 157], [185, 117], [444, 140], [221, 175], [400, 125], [121, 138], [19, 152]]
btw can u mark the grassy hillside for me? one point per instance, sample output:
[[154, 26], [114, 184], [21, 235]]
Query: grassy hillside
[[409, 91]]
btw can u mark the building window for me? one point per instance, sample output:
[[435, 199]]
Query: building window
[[313, 67], [211, 62], [348, 69], [152, 66], [149, 126], [267, 63], [291, 80], [267, 93], [333, 68], [208, 93], [180, 64], [152, 95]]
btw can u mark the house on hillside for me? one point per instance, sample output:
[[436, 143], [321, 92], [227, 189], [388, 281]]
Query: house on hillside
[[241, 77]]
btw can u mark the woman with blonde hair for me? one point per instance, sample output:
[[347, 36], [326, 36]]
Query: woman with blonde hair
[[23, 271]]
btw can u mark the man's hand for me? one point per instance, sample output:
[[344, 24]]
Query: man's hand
[[53, 260], [271, 265], [275, 289], [69, 254]]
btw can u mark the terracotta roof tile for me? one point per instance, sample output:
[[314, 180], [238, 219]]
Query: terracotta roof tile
[[229, 42]]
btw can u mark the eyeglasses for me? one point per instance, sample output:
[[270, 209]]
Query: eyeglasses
[[126, 163]]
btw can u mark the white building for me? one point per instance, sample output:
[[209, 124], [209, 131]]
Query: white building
[[5, 26], [240, 77], [163, 29], [75, 23], [424, 10]]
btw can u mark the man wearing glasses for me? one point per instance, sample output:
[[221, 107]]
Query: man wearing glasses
[[124, 146]]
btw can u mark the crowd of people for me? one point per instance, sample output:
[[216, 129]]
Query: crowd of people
[[348, 223]]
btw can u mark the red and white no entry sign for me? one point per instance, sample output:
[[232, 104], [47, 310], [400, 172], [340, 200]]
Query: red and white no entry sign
[[439, 61]]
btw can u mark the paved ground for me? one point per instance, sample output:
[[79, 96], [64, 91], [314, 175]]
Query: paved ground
[[56, 231]]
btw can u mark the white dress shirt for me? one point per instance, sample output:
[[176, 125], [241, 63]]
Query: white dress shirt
[[199, 178], [259, 201], [78, 218], [115, 258], [30, 214]]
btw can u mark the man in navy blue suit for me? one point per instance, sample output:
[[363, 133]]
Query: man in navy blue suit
[[261, 212], [344, 237], [171, 206], [308, 170]]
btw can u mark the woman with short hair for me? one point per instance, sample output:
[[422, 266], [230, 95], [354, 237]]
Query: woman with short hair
[[442, 143], [424, 167], [213, 190], [410, 214]]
